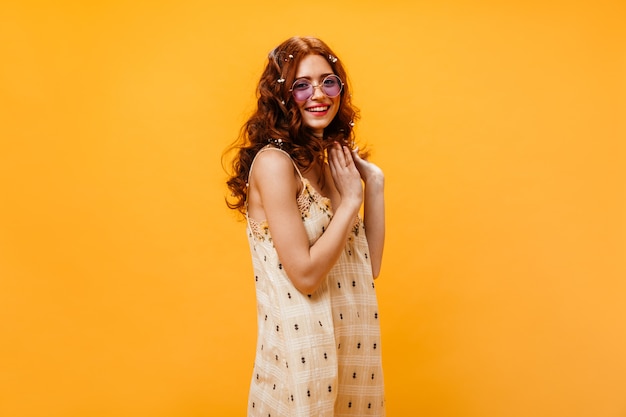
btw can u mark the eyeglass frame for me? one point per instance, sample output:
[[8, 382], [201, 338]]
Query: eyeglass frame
[[321, 85]]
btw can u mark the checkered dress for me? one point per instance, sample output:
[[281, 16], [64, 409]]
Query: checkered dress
[[317, 354]]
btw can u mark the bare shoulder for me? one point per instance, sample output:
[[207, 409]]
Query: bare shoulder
[[272, 166], [273, 159]]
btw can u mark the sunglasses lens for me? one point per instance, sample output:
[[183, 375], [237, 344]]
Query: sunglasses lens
[[302, 89], [332, 86]]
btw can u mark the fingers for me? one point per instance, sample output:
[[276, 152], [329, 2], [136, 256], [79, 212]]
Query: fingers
[[332, 163], [340, 155], [347, 155], [344, 172], [356, 157]]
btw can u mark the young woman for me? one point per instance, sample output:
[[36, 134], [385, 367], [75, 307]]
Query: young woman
[[300, 186]]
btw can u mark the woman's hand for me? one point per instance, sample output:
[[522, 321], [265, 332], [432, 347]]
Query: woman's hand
[[374, 209], [369, 172], [345, 174]]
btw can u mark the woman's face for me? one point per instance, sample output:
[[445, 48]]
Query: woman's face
[[319, 109]]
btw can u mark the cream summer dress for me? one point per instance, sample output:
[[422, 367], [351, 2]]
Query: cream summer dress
[[317, 354]]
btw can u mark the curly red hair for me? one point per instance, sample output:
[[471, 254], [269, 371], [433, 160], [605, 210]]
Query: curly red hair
[[277, 116]]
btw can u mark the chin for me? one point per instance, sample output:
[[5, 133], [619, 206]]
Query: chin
[[317, 128]]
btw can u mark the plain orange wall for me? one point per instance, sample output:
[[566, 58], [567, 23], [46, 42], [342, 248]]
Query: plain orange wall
[[125, 283]]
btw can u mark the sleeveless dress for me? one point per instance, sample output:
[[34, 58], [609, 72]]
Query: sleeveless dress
[[317, 354]]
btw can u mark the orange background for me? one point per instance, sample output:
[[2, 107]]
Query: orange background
[[125, 283]]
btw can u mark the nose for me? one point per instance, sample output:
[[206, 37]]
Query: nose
[[317, 92]]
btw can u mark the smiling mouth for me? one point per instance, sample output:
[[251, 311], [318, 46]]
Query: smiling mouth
[[318, 109]]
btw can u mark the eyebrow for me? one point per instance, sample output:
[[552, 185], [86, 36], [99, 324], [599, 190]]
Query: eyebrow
[[321, 77]]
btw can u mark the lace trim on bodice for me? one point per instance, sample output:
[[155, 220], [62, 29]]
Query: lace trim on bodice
[[258, 229], [308, 196]]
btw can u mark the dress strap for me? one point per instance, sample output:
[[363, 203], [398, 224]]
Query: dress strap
[[264, 149]]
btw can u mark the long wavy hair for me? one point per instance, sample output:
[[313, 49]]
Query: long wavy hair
[[277, 116]]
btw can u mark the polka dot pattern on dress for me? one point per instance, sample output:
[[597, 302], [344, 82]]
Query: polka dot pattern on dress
[[325, 333]]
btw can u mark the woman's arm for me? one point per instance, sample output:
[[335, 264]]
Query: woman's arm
[[374, 209], [277, 186]]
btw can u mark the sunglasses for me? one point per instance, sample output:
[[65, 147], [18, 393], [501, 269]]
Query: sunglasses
[[302, 89]]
